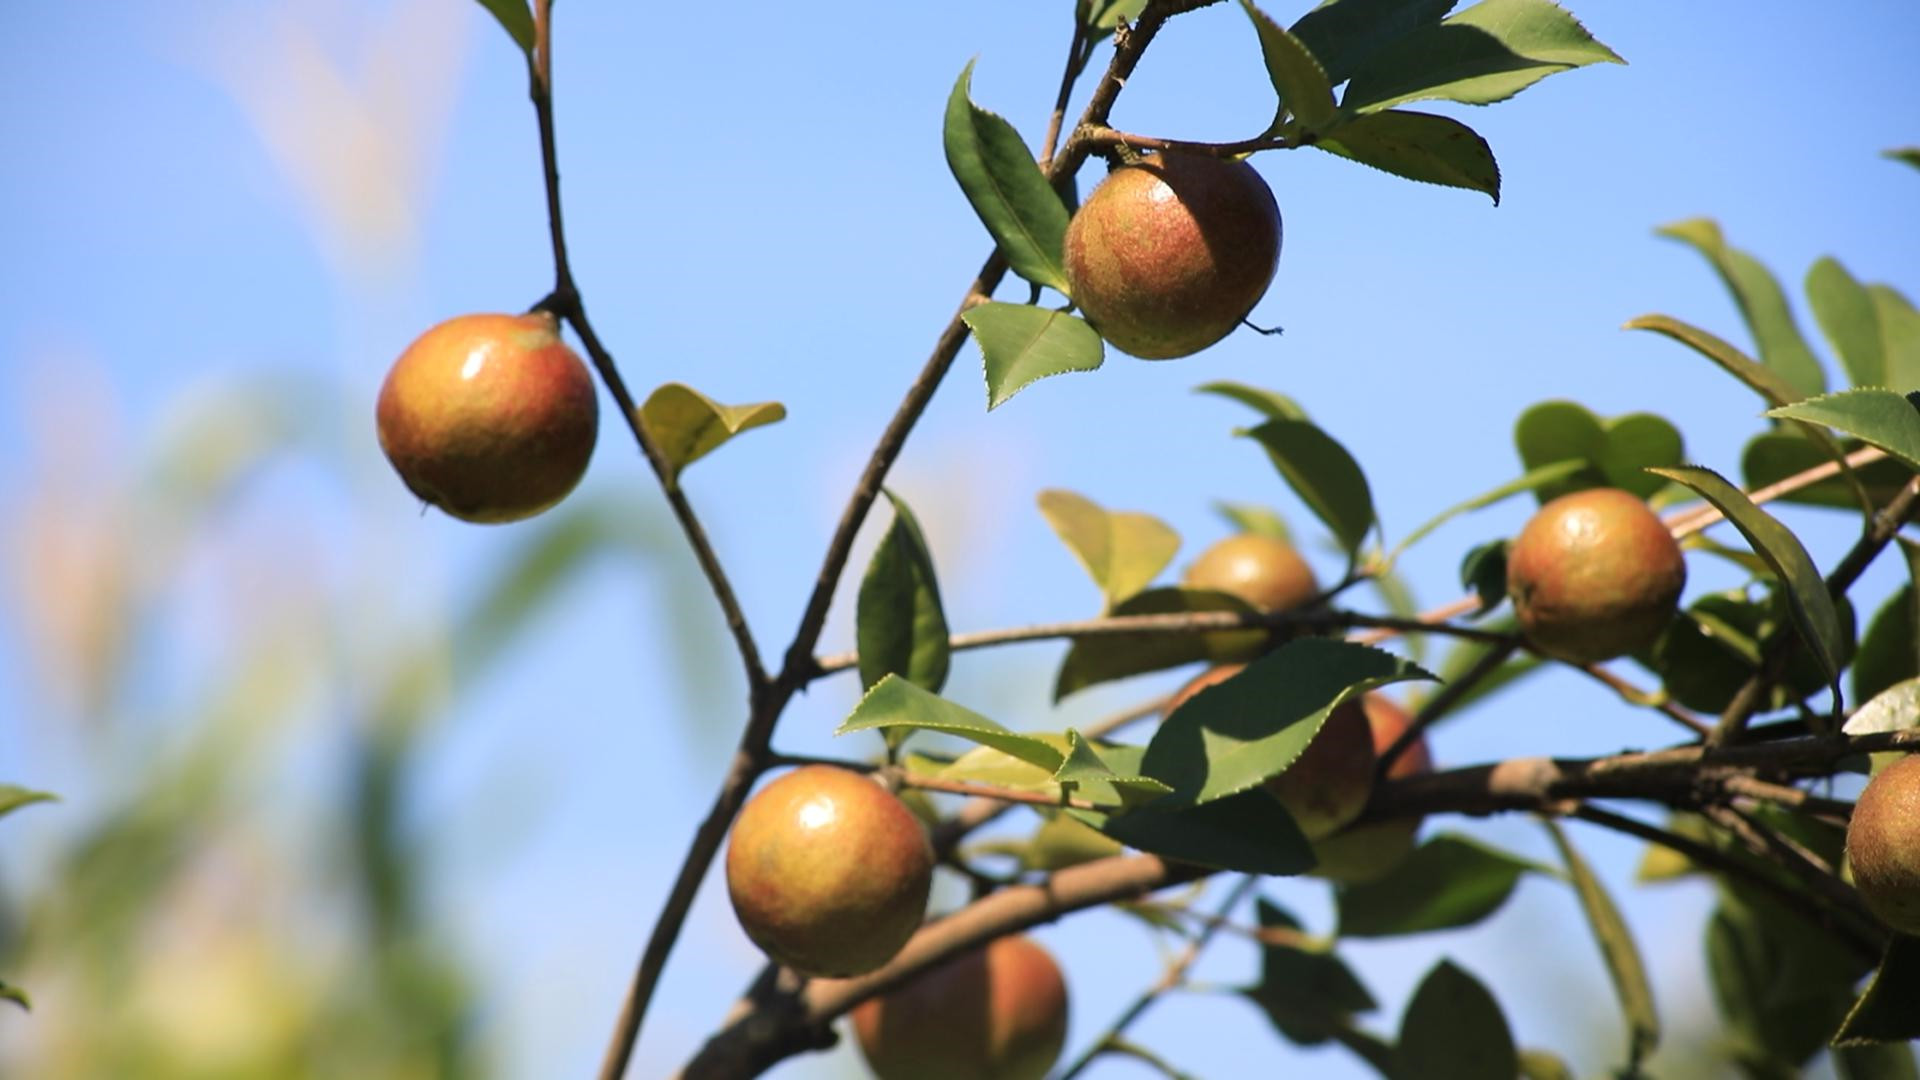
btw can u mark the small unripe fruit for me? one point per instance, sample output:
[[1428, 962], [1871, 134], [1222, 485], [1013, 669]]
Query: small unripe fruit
[[1264, 571], [1368, 852], [1883, 845], [1329, 783], [998, 1013], [491, 418], [1167, 256], [1594, 575], [828, 872]]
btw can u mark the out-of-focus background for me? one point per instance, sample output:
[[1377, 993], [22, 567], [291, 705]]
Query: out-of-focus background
[[352, 790]]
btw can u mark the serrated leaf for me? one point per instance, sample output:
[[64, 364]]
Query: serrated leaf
[[1453, 1029], [1807, 597], [1020, 344], [1323, 474], [1419, 146], [1449, 881], [1622, 956], [1232, 736], [1308, 994], [686, 425], [1258, 520], [13, 797], [900, 627], [1845, 312], [515, 18], [1878, 417], [1272, 405], [1008, 191], [1899, 336], [1296, 76], [1535, 479], [1085, 768], [1122, 550], [1341, 34], [1487, 53], [896, 703], [1099, 658], [1761, 301], [1250, 833], [1886, 1013]]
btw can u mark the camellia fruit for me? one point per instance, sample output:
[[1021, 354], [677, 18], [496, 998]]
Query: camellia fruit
[[1329, 783], [998, 1013], [1594, 575], [1167, 256], [1883, 845], [828, 871], [491, 418], [1265, 572], [1368, 852]]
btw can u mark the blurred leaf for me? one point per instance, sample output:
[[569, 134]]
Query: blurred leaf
[[1875, 1061], [896, 703], [988, 765], [1099, 658], [1344, 33], [1660, 863], [1899, 336], [1296, 76], [1896, 708], [1251, 833], [515, 19], [1233, 735], [1123, 551], [1538, 1064], [1484, 570], [1061, 842], [1487, 53], [1323, 474], [1886, 1013], [16, 995], [1274, 406], [1807, 596], [1258, 520], [1465, 655], [550, 554], [1392, 588], [899, 626], [1418, 146], [1453, 1030], [1908, 154], [1020, 344], [1772, 456], [1449, 881], [13, 797], [1716, 644], [1765, 381], [1308, 994], [1534, 480], [687, 425], [1006, 187], [1890, 651], [1616, 452], [1622, 956], [1882, 418], [1084, 768], [1762, 304], [1846, 315], [1107, 14]]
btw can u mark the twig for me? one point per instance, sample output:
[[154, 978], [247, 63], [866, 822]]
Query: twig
[[1635, 696], [1688, 522], [1436, 706], [1079, 51], [1101, 135]]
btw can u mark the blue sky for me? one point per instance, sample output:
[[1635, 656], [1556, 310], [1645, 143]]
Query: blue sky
[[759, 207]]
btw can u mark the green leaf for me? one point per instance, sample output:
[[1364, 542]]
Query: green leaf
[[1875, 1061], [1061, 841], [1878, 417], [1897, 708], [1107, 14], [1344, 33], [1250, 833], [1716, 645], [687, 425], [1453, 1030], [899, 626], [1323, 474], [1535, 479], [1484, 570], [1419, 146], [1296, 76], [1232, 736], [1307, 993], [1466, 655], [1085, 768], [1543, 1065], [1846, 315], [1487, 53], [1772, 456], [1274, 406], [1807, 597], [16, 995], [1908, 154], [1762, 304], [515, 19], [1098, 658], [1890, 651], [1449, 881], [13, 797], [896, 703], [1122, 550], [1763, 380], [1886, 1012], [1899, 336], [1020, 343], [1622, 956], [1616, 452], [1006, 187], [1258, 520]]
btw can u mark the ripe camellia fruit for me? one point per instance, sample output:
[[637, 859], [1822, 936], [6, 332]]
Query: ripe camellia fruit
[[828, 871], [1594, 575], [1329, 783], [1368, 852], [1264, 571], [998, 1013], [491, 418], [1168, 255], [1883, 845]]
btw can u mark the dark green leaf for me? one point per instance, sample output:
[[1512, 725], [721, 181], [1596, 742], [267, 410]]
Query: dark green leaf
[[1061, 842], [1020, 344], [1772, 456], [1448, 881], [1250, 833], [1419, 146], [1908, 154], [1345, 33], [1536, 479], [1617, 948], [1122, 550], [1296, 76], [899, 625], [16, 995], [515, 19], [1323, 474], [1098, 658], [1879, 417], [1453, 1030], [1846, 315], [1487, 53], [13, 797], [687, 425], [1762, 304], [1899, 336], [1258, 520], [1307, 993], [1716, 645], [1890, 651], [1232, 736], [896, 703], [1275, 406], [1006, 187], [1886, 1011], [1763, 380], [1875, 1061], [1543, 1065], [1484, 570]]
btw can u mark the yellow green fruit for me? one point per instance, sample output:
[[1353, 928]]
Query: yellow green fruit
[[1883, 845], [1265, 572], [1594, 575], [998, 1013]]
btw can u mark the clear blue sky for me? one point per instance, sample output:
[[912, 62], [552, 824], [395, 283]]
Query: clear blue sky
[[759, 207]]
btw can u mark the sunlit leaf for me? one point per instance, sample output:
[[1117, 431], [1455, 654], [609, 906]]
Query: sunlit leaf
[[1020, 343], [1844, 309], [1486, 53], [687, 425], [899, 625], [1899, 336], [1323, 474], [1122, 550], [1763, 380], [1453, 1029], [1274, 405], [1084, 768], [896, 703], [1878, 417], [13, 797], [1297, 77], [1006, 187], [1107, 14], [1762, 304], [1419, 146], [1897, 708], [1257, 520]]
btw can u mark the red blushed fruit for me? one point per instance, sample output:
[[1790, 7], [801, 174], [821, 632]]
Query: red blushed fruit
[[1883, 845], [491, 418], [1367, 853], [998, 1013], [1329, 783], [828, 871], [1594, 575], [1167, 256]]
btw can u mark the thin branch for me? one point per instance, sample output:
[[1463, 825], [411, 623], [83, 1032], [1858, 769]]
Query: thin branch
[[1633, 695], [1100, 135], [1688, 522], [1436, 706], [1079, 51]]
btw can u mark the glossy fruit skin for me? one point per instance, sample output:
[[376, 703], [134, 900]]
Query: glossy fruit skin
[[1329, 783], [1264, 571], [1167, 256], [1883, 845], [828, 871], [1367, 853], [491, 418], [998, 1013], [1594, 575]]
